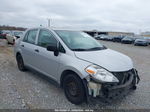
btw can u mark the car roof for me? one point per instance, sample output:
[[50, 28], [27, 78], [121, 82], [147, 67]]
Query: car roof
[[53, 28]]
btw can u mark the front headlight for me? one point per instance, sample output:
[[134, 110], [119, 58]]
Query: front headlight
[[101, 74]]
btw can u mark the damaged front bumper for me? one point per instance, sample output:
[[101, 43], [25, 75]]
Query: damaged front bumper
[[127, 81]]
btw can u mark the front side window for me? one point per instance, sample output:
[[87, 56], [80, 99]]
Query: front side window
[[79, 41], [46, 38], [30, 36]]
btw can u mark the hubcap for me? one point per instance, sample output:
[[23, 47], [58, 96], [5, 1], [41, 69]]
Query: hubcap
[[72, 89]]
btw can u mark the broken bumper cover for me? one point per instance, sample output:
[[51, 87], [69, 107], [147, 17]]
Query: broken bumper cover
[[127, 82]]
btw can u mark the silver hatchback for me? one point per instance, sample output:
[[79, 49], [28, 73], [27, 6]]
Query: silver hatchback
[[77, 62]]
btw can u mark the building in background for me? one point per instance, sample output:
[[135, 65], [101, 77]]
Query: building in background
[[121, 33], [145, 34], [95, 32]]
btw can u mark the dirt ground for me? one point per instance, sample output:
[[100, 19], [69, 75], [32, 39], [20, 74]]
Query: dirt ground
[[28, 90]]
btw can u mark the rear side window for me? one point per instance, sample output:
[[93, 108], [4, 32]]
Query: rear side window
[[30, 36], [46, 38]]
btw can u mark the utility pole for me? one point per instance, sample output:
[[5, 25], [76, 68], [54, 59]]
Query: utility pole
[[48, 22]]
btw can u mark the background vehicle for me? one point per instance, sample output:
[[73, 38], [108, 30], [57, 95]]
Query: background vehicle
[[17, 34], [99, 37], [11, 36], [141, 42], [3, 40], [2, 34], [109, 38], [11, 39], [128, 40], [117, 38], [104, 37], [147, 39], [70, 59]]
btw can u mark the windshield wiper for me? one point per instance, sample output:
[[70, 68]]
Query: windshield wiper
[[79, 49], [97, 48], [90, 49]]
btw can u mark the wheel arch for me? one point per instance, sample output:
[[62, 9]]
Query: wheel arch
[[65, 73]]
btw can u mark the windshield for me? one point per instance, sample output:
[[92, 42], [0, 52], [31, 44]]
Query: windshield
[[79, 41]]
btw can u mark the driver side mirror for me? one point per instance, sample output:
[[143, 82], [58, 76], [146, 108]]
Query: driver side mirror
[[54, 49]]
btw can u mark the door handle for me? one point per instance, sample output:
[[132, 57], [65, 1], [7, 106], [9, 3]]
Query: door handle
[[22, 45], [36, 50]]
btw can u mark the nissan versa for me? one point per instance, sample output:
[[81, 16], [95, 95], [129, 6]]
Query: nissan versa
[[82, 66]]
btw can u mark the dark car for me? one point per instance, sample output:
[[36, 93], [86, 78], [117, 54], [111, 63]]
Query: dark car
[[117, 38], [128, 40], [141, 42]]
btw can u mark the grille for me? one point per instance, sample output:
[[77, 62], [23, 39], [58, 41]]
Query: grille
[[123, 77]]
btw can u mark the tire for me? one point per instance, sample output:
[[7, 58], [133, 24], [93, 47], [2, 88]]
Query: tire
[[74, 89], [20, 63]]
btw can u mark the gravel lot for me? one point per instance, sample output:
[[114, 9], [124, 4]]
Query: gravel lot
[[28, 90]]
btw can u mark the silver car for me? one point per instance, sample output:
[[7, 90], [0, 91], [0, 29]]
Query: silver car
[[82, 66], [141, 41]]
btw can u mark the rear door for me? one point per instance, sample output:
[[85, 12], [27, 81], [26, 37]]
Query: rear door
[[28, 47], [47, 63]]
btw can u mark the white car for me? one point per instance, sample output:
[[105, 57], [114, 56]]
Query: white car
[[11, 39]]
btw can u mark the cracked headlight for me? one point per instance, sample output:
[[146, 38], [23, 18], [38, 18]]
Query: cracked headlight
[[101, 74]]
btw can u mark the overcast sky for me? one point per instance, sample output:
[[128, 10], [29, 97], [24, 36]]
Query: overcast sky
[[105, 15]]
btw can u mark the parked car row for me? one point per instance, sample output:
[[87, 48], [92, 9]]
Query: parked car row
[[9, 37], [143, 41]]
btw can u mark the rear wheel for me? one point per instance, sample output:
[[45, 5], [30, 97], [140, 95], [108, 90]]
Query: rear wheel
[[74, 89], [20, 63]]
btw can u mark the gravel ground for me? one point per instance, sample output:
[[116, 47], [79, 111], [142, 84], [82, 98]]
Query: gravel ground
[[28, 90]]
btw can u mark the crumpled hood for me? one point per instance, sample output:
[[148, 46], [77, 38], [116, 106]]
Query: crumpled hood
[[108, 59]]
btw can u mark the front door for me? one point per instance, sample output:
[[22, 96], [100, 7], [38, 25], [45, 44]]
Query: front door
[[47, 62]]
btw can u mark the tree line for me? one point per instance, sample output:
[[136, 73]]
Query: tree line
[[3, 27]]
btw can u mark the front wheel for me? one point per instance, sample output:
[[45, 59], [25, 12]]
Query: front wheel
[[74, 89]]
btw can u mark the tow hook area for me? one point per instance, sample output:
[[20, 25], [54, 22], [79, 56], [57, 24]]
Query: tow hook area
[[94, 89]]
